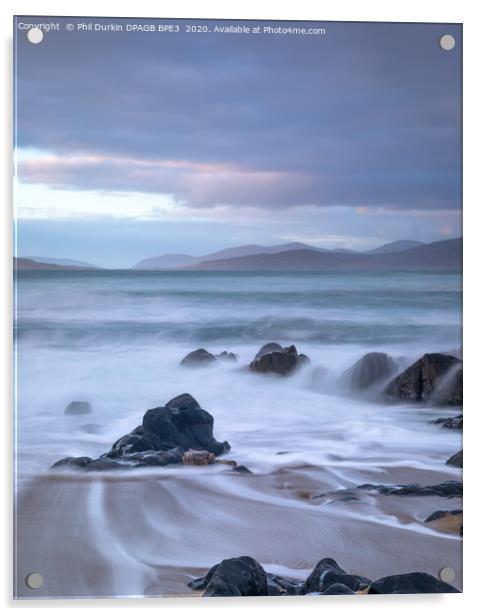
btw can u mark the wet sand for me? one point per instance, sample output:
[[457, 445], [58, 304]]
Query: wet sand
[[149, 533]]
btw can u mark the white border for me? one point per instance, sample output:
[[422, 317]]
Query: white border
[[348, 10]]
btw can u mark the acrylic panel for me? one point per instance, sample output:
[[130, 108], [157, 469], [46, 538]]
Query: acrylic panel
[[238, 285]]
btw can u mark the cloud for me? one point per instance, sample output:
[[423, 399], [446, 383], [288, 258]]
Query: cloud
[[356, 118]]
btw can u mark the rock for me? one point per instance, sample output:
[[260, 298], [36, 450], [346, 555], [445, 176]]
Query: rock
[[456, 460], [198, 457], [240, 468], [372, 368], [78, 408], [227, 356], [180, 431], [338, 589], [278, 586], [446, 521], [198, 358], [420, 380], [328, 573], [233, 577], [409, 583], [180, 423], [450, 392], [447, 489], [453, 423], [273, 358]]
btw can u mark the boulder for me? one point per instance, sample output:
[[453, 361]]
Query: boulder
[[446, 521], [409, 583], [419, 381], [456, 460], [372, 368], [233, 577], [450, 391], [78, 408], [180, 423], [273, 358], [452, 423], [278, 586], [328, 573], [198, 358]]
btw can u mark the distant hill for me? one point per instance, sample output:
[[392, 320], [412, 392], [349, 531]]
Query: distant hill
[[395, 247], [29, 264], [167, 262], [443, 255], [55, 261], [170, 261]]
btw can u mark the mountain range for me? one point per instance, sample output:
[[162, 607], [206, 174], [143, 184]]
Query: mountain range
[[169, 261], [294, 256]]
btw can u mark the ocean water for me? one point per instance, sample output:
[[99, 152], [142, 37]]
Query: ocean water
[[115, 339]]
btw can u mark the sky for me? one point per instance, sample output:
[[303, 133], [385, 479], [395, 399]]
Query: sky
[[135, 144]]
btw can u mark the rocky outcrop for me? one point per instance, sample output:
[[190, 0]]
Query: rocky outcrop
[[435, 377], [227, 356], [409, 583], [446, 521], [371, 369], [448, 489], [233, 577], [78, 408], [244, 576], [452, 423], [456, 460], [179, 431], [275, 359]]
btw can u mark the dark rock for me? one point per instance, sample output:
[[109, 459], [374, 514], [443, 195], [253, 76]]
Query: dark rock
[[447, 489], [327, 573], [198, 457], [453, 423], [227, 356], [180, 423], [420, 380], [233, 577], [372, 368], [338, 589], [456, 460], [450, 391], [240, 468], [78, 408], [179, 429], [198, 358], [409, 583], [273, 358], [446, 521], [278, 586]]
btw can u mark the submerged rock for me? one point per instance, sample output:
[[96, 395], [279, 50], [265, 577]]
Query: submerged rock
[[180, 431], [456, 460], [198, 358], [337, 589], [372, 368], [409, 583], [419, 382], [78, 408], [448, 489], [233, 577], [273, 358], [328, 573], [227, 356], [452, 423], [447, 521]]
